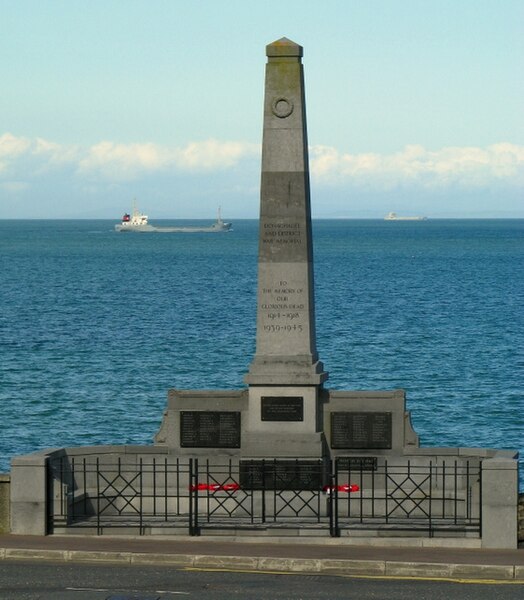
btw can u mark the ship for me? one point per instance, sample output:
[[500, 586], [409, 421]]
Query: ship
[[138, 222], [394, 217]]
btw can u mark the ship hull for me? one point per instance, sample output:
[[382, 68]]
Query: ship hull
[[151, 229]]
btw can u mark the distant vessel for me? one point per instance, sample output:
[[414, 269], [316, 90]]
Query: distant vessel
[[139, 222], [394, 217]]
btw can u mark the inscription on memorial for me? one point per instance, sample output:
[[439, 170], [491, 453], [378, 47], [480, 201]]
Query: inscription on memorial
[[281, 475], [209, 429], [283, 303], [282, 408], [282, 234], [284, 307], [357, 463], [361, 430]]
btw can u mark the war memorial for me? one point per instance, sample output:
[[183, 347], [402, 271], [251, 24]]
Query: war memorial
[[284, 456]]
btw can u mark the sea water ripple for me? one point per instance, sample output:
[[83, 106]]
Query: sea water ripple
[[96, 326]]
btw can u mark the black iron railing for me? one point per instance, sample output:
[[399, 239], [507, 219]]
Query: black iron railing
[[150, 494], [430, 495]]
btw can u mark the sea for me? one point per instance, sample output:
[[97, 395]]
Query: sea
[[96, 326]]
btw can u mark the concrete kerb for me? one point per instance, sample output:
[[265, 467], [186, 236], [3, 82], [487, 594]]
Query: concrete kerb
[[290, 565], [31, 554], [103, 557], [353, 567], [173, 560], [483, 572], [416, 569], [278, 565]]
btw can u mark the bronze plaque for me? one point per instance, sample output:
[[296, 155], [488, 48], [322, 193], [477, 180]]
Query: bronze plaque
[[282, 408], [209, 429], [361, 430]]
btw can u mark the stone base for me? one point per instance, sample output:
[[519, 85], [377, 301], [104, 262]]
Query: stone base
[[285, 370], [313, 422]]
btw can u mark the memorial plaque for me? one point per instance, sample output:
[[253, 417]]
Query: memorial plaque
[[209, 429], [282, 408], [361, 430], [281, 474], [357, 463]]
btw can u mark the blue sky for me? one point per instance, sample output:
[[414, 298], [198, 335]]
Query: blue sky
[[413, 106]]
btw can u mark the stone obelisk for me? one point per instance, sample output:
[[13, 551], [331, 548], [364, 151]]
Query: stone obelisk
[[285, 375]]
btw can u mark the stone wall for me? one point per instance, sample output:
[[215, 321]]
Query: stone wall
[[5, 485], [521, 518]]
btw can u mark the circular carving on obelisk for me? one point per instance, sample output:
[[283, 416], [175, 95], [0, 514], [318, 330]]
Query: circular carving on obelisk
[[282, 107]]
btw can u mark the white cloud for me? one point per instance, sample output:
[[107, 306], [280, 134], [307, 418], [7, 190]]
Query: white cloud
[[119, 162], [122, 161], [212, 154], [11, 147], [52, 155], [464, 166], [23, 159]]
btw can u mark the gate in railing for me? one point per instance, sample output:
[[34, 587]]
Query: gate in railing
[[259, 494], [156, 495]]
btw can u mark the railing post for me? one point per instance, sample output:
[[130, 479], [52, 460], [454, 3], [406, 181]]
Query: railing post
[[98, 495], [334, 530], [386, 490], [84, 484], [263, 487], [330, 484], [70, 494], [195, 515], [165, 487], [141, 499], [431, 497], [444, 488], [456, 492], [192, 498], [154, 486]]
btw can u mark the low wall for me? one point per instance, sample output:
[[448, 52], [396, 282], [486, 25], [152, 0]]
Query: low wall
[[5, 490], [30, 496]]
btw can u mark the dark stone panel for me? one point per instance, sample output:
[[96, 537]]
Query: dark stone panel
[[209, 429], [361, 430], [282, 408], [282, 474]]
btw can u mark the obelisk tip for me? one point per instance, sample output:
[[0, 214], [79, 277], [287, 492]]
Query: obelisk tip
[[284, 48]]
